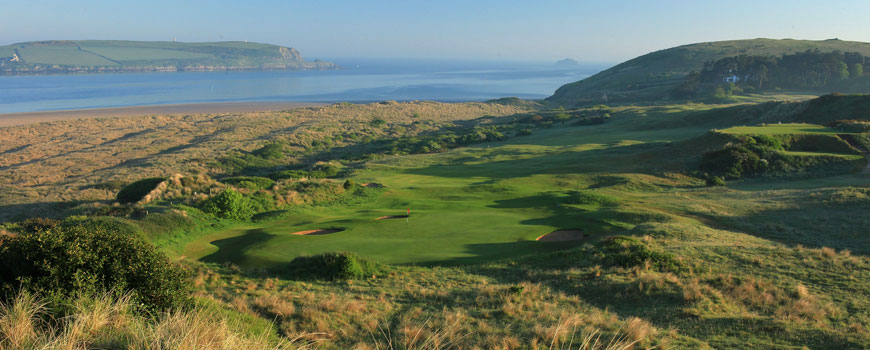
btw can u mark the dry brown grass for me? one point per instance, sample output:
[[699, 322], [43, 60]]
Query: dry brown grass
[[105, 322], [52, 162]]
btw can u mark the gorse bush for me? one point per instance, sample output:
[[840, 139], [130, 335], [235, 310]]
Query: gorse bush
[[250, 182], [272, 150], [334, 266], [629, 252], [229, 204], [756, 160], [91, 256], [134, 192], [317, 171], [38, 224]]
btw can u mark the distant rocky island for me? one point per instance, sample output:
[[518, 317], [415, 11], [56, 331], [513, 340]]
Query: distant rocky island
[[567, 62], [94, 56]]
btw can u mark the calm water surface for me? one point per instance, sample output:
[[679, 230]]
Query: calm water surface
[[358, 81]]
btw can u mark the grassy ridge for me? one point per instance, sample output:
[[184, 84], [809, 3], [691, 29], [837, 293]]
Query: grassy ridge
[[113, 56], [652, 76]]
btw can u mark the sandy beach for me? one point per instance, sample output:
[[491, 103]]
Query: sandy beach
[[11, 119]]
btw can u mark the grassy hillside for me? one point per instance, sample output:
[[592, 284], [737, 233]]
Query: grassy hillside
[[654, 75], [663, 259], [113, 55]]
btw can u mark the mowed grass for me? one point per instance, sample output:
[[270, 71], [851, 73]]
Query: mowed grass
[[468, 205], [782, 129], [66, 55], [142, 54]]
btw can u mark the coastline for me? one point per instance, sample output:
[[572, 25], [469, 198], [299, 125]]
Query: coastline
[[24, 118]]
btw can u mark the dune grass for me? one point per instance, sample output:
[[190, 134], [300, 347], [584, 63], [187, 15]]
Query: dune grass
[[774, 263]]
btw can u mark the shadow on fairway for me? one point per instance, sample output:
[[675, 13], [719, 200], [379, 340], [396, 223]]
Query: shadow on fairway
[[233, 249]]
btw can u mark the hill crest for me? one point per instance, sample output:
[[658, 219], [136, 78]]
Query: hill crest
[[69, 56], [653, 75]]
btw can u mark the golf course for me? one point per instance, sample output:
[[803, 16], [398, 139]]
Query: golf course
[[657, 211]]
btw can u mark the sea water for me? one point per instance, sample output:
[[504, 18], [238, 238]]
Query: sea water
[[359, 80]]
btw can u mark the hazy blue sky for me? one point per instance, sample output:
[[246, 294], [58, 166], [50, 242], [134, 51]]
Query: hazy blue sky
[[462, 29]]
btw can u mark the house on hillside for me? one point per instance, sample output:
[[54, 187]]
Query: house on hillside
[[730, 77]]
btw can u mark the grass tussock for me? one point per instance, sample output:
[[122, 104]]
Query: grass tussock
[[104, 322]]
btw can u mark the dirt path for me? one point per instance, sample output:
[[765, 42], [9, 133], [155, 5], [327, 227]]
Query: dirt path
[[562, 236]]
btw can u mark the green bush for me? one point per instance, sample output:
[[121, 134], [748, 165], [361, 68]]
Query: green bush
[[334, 266], [768, 141], [229, 204], [318, 171], [272, 150], [629, 252], [134, 192], [349, 184], [732, 162], [715, 181], [250, 182], [37, 224], [91, 256]]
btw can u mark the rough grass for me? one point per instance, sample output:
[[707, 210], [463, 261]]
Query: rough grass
[[104, 322], [759, 263], [50, 166]]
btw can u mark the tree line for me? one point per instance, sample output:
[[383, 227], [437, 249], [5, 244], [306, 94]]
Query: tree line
[[811, 69]]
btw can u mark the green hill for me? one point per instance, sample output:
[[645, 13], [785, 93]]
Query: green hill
[[653, 76], [118, 56]]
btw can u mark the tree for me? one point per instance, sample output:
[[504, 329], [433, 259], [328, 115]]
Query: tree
[[229, 204], [856, 70], [842, 71], [562, 117]]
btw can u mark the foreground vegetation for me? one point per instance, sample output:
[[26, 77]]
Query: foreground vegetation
[[703, 226]]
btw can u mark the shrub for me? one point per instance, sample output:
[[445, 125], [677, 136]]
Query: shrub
[[134, 192], [38, 224], [334, 266], [732, 162], [229, 204], [715, 181], [270, 150], [629, 252], [348, 184], [524, 132], [318, 171], [250, 182], [91, 256], [768, 141]]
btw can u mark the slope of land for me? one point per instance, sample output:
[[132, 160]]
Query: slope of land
[[774, 258], [66, 56], [651, 77]]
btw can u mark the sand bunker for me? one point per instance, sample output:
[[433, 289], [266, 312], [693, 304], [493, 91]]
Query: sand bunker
[[391, 217], [562, 236], [316, 232]]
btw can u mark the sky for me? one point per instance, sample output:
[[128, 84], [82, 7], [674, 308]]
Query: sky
[[542, 30]]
